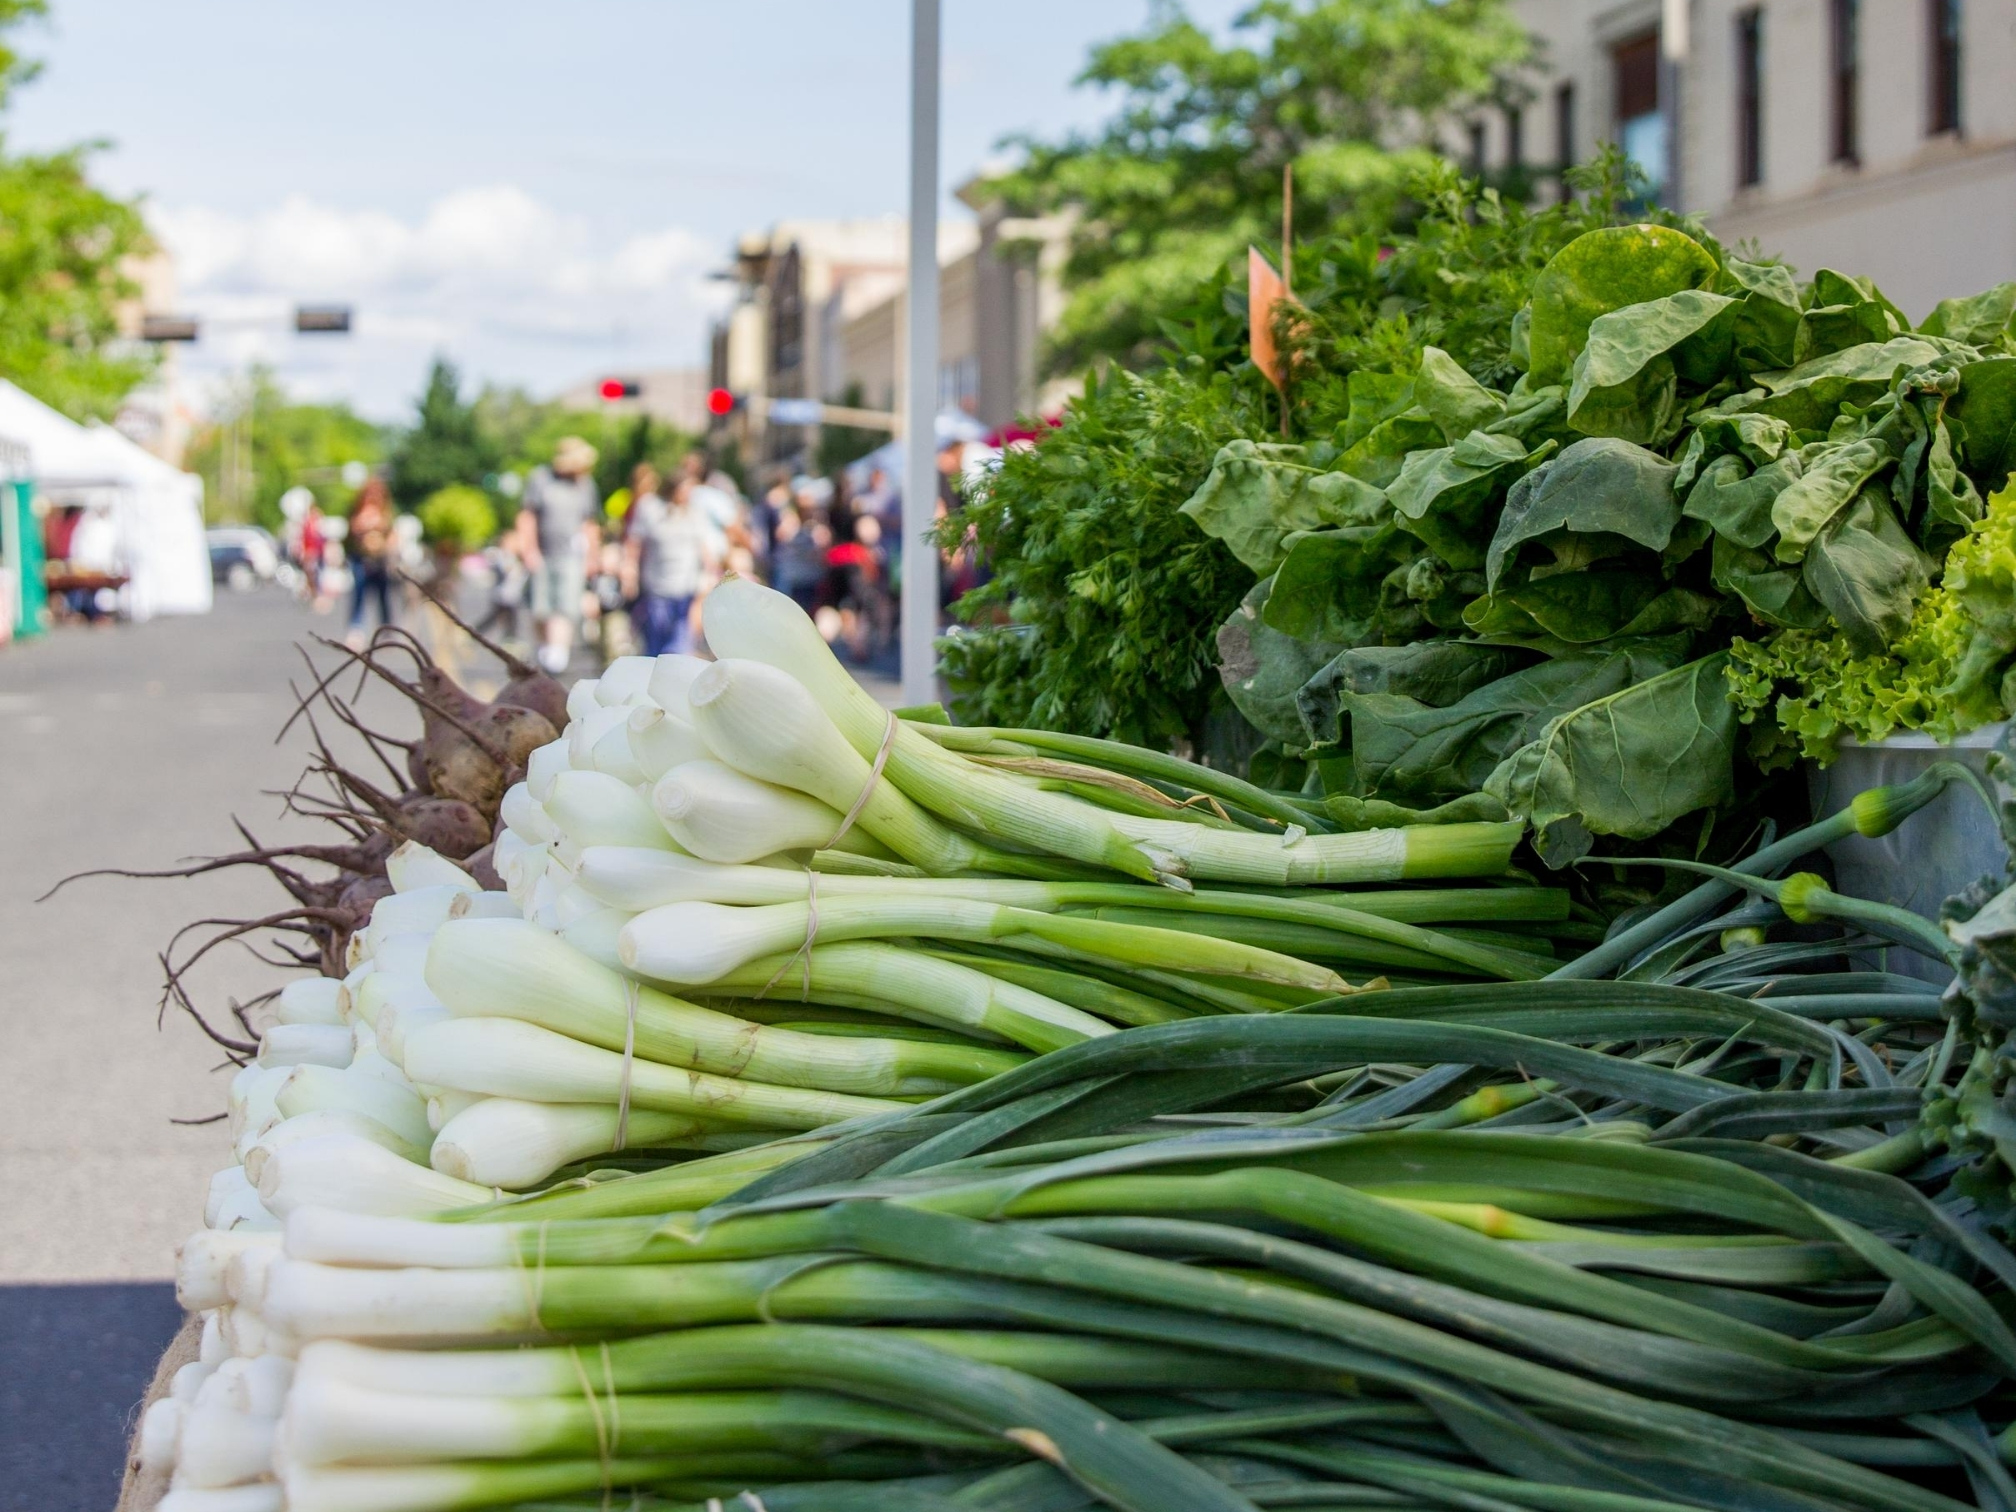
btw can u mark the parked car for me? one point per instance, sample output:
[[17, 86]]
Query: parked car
[[242, 556]]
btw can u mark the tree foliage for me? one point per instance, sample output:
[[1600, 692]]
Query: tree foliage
[[65, 247], [446, 444], [287, 443], [1189, 169]]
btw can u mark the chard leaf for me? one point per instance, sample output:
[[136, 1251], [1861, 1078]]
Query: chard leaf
[[1831, 474], [1453, 399], [1601, 271], [1597, 487], [1867, 572], [1774, 593], [1259, 493], [1629, 763], [1443, 495], [1625, 380], [1404, 749], [1736, 505], [1263, 669], [1986, 320]]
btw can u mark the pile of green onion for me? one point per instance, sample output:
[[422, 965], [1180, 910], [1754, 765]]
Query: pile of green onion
[[1077, 1127]]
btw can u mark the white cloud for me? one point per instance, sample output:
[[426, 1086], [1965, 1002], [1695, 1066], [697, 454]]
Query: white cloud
[[512, 289]]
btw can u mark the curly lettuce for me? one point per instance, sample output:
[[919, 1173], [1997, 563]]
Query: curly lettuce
[[1950, 672]]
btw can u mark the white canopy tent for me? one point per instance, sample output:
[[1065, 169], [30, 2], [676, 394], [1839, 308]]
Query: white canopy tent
[[158, 509]]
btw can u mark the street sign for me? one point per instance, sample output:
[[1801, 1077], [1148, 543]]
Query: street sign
[[168, 328], [322, 320], [796, 412]]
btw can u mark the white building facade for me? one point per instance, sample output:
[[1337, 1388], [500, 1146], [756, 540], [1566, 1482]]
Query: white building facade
[[1876, 137]]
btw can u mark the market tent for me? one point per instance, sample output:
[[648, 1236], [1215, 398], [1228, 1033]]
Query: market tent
[[158, 508]]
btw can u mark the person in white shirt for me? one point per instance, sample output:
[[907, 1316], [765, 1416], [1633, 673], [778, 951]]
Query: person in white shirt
[[672, 555]]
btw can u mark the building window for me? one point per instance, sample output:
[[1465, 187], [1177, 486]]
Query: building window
[[1515, 137], [1943, 96], [1845, 59], [1641, 124], [1750, 97], [1477, 156], [1564, 132]]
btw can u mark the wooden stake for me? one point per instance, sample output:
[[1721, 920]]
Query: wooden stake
[[1287, 267]]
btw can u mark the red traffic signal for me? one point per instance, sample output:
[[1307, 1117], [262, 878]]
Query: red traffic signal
[[721, 402], [620, 388]]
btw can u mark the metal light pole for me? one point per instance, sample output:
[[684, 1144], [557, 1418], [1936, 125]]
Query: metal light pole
[[920, 397]]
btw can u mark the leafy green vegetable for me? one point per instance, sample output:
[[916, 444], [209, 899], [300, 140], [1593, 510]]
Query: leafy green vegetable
[[1259, 493], [1604, 271], [1628, 764], [1947, 671], [1596, 500], [1264, 669]]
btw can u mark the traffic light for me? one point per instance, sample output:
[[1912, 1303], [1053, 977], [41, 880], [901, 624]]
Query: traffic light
[[721, 403], [620, 388]]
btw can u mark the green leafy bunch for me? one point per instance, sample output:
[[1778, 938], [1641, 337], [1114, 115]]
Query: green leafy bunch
[[1100, 613], [1105, 604], [1692, 438], [1951, 671]]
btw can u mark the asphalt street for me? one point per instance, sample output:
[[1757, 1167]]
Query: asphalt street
[[130, 746]]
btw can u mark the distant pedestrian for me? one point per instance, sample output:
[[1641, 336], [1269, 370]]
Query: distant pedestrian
[[673, 555], [557, 535], [369, 545]]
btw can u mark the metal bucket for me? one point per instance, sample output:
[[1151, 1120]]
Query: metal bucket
[[1947, 845]]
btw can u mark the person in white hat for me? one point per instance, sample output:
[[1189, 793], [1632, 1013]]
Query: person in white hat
[[558, 533]]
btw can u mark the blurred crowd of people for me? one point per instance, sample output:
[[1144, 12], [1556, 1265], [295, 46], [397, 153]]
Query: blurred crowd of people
[[572, 570]]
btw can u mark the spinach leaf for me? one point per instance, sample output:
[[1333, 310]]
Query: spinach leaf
[[1625, 382], [1809, 395], [1867, 572], [1259, 493], [1584, 608], [1628, 763], [1736, 502], [1619, 494], [1773, 592], [1601, 271], [1330, 586], [1405, 749], [1264, 669], [1765, 328], [1983, 419], [1444, 495], [1436, 673], [1454, 400], [1986, 320], [1830, 475]]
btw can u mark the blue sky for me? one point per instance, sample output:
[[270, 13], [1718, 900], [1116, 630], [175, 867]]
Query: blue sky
[[537, 189]]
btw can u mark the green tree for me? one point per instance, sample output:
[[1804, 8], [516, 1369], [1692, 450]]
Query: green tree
[[841, 444], [446, 444], [459, 517], [1189, 170], [261, 443], [65, 247]]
